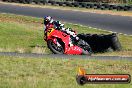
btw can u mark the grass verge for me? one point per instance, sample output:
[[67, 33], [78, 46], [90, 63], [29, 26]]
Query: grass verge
[[57, 73], [25, 34]]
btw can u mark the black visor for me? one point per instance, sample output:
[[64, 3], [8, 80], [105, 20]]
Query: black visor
[[46, 22]]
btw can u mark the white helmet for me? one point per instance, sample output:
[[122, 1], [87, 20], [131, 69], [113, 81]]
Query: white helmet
[[48, 19]]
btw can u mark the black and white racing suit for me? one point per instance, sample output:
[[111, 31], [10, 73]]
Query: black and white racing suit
[[58, 25]]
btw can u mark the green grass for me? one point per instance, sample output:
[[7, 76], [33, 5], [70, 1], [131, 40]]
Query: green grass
[[14, 35], [16, 72], [18, 34], [25, 34]]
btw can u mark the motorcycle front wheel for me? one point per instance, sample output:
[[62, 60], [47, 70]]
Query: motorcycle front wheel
[[54, 48]]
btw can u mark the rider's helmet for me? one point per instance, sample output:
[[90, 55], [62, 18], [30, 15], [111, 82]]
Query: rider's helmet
[[48, 19]]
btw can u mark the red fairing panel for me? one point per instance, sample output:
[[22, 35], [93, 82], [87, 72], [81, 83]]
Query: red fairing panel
[[74, 50]]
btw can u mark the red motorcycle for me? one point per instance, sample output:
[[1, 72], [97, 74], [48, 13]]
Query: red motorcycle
[[58, 43]]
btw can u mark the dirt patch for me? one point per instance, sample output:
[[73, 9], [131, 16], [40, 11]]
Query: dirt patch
[[39, 50]]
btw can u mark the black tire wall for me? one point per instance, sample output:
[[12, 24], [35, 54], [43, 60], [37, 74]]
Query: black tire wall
[[101, 43]]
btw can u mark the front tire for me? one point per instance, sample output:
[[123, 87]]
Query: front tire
[[54, 48]]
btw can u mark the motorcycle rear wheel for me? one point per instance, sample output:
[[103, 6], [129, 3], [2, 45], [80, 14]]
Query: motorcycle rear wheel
[[86, 47], [87, 51], [54, 48]]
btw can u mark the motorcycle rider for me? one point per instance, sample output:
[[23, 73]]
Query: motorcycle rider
[[49, 22]]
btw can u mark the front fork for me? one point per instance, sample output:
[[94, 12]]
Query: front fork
[[55, 40]]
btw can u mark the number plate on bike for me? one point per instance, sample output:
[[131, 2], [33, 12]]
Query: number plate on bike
[[50, 31]]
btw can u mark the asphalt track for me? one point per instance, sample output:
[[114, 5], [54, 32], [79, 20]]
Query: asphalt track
[[54, 56], [114, 23]]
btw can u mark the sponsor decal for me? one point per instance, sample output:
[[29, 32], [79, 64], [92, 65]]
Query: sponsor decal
[[83, 78]]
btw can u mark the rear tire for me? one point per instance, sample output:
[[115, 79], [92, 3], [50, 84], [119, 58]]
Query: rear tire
[[85, 46]]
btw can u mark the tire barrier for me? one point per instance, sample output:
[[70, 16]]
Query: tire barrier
[[90, 5], [83, 5], [76, 4], [112, 7], [102, 6], [60, 3], [106, 6], [68, 4], [101, 42], [28, 1]]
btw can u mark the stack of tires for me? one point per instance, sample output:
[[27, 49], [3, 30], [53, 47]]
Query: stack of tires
[[60, 3], [40, 1], [68, 4], [76, 4], [101, 42]]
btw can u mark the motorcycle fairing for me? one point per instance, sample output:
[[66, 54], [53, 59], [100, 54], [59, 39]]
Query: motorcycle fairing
[[74, 50], [53, 35]]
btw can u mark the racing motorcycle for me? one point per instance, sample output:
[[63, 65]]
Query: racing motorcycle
[[58, 43]]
